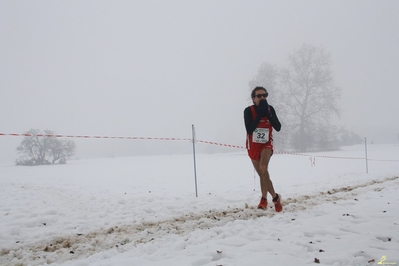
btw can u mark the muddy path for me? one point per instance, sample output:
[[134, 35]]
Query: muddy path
[[121, 238]]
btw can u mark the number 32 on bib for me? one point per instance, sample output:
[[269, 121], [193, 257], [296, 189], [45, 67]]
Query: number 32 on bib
[[260, 135]]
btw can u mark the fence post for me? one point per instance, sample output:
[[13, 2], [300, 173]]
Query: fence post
[[365, 146], [195, 165]]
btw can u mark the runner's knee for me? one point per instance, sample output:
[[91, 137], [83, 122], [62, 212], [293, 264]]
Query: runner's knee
[[263, 170]]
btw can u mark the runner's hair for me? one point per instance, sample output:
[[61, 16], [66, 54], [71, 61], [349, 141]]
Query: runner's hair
[[257, 89]]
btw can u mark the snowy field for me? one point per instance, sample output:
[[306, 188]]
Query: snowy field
[[143, 211]]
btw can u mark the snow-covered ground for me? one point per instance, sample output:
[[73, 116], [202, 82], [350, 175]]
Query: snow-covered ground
[[143, 211]]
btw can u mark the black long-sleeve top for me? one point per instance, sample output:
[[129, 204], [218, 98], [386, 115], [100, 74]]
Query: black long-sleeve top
[[251, 125]]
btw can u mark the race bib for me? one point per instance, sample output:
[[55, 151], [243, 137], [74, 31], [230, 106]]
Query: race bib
[[260, 135]]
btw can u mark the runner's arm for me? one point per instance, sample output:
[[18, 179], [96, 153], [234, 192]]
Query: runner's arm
[[274, 119], [250, 125]]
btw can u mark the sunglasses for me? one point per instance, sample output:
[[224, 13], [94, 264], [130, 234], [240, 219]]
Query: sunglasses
[[261, 95]]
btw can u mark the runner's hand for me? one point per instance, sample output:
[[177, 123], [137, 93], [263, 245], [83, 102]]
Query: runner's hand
[[263, 108]]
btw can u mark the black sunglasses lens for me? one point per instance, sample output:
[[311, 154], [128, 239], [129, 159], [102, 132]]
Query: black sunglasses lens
[[261, 95]]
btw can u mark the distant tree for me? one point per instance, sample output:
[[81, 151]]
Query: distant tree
[[60, 149], [305, 98], [38, 148], [33, 149], [310, 98]]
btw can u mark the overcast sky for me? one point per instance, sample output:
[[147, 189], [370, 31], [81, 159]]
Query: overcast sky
[[153, 68]]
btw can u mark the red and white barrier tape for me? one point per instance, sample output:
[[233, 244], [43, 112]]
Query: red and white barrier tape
[[221, 144], [320, 156], [88, 137], [181, 139]]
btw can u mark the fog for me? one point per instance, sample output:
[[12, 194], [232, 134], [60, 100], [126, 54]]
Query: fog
[[154, 68]]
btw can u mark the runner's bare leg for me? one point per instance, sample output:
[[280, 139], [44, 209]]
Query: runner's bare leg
[[261, 167]]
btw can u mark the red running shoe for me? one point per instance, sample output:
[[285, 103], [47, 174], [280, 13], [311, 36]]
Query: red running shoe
[[262, 204], [277, 204]]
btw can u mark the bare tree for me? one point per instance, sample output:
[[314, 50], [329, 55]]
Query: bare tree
[[38, 148], [310, 98], [33, 149], [61, 149]]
